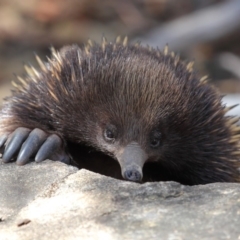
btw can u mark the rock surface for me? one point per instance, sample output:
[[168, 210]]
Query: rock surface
[[51, 200]]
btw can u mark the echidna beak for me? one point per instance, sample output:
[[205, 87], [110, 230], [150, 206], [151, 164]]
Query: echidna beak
[[131, 160]]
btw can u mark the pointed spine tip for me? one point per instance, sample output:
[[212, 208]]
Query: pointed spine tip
[[56, 55], [14, 84], [53, 95], [87, 49], [90, 43], [118, 39], [28, 70], [53, 50], [35, 72], [137, 44], [236, 128], [125, 41], [80, 64], [227, 109], [22, 81], [32, 72], [73, 74], [41, 63], [104, 43], [232, 120], [190, 66], [49, 60], [165, 51], [204, 79], [176, 60], [172, 54]]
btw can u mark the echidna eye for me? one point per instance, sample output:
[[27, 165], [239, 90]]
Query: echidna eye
[[110, 134], [155, 140], [155, 143]]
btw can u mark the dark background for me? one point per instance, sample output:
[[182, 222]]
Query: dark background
[[207, 31]]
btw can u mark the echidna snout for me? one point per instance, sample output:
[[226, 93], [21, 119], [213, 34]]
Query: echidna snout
[[131, 160]]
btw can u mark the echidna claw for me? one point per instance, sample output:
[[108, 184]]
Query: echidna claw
[[25, 144], [15, 141], [52, 143], [31, 146]]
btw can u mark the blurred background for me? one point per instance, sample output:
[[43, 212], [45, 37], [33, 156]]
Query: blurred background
[[207, 31]]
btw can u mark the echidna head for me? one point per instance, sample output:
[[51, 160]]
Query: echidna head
[[129, 112], [132, 111], [130, 147]]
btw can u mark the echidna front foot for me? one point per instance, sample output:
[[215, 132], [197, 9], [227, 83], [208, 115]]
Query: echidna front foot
[[24, 144]]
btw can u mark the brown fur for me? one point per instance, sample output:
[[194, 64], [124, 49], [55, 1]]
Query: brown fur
[[82, 90]]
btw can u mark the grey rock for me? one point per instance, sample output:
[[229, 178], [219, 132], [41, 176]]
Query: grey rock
[[19, 185], [86, 205]]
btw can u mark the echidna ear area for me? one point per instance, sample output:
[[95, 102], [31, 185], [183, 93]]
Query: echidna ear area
[[231, 121]]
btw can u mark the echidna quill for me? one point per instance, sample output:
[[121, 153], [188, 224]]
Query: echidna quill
[[125, 111]]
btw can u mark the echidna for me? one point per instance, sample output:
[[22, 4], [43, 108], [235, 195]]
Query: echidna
[[126, 111]]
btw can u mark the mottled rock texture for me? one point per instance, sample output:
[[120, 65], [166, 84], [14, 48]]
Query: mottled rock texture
[[51, 200]]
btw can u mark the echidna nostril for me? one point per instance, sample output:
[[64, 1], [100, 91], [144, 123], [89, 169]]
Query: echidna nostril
[[132, 175]]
